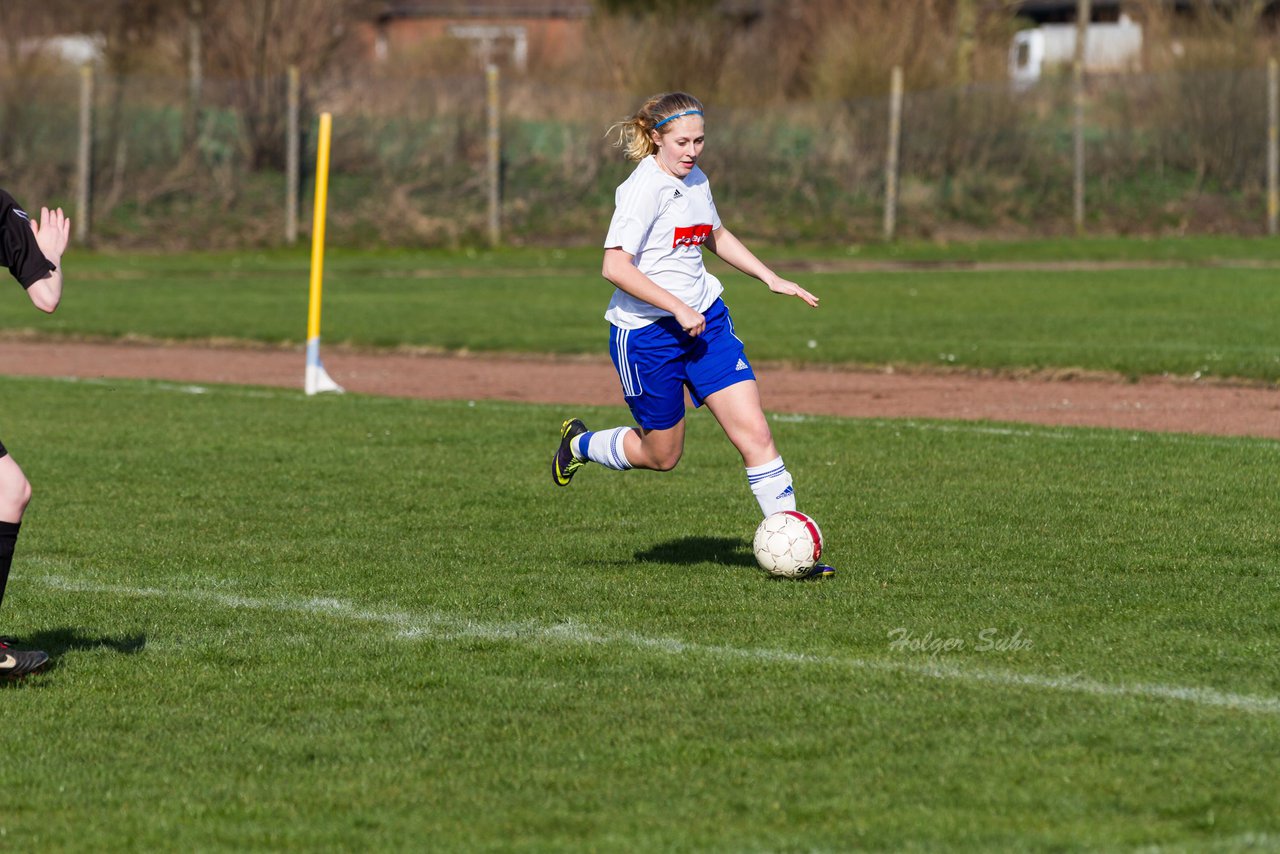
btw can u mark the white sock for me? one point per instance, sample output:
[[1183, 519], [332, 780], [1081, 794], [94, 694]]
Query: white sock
[[603, 447], [771, 485]]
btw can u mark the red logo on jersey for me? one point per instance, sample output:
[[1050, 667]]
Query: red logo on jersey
[[694, 235]]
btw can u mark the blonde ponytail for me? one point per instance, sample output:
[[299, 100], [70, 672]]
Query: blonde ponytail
[[634, 134]]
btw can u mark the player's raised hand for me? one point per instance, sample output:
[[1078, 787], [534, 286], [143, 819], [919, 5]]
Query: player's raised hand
[[787, 288], [53, 233]]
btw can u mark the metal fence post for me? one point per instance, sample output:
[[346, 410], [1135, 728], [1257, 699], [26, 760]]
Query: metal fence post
[[495, 157], [1273, 144], [891, 159], [292, 159], [1083, 13], [84, 154]]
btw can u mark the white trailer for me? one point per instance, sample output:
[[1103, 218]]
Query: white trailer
[[1109, 47]]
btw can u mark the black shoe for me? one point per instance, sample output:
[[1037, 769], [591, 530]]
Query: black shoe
[[14, 664], [564, 464]]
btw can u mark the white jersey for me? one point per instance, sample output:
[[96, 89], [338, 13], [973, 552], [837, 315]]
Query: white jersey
[[662, 221]]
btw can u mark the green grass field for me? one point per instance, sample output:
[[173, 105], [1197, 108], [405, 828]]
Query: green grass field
[[357, 623]]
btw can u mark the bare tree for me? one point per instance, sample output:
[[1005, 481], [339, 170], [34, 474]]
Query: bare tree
[[194, 48], [25, 29], [252, 43], [129, 29], [966, 25]]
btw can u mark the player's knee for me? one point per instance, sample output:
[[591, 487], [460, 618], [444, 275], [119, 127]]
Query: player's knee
[[758, 443], [660, 450], [15, 495], [659, 459], [666, 461]]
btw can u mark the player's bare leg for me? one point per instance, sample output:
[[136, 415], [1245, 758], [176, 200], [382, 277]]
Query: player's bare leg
[[738, 410], [656, 450], [619, 448], [15, 490], [741, 416], [15, 494]]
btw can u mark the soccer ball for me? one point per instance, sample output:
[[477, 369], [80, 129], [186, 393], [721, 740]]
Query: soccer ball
[[788, 544]]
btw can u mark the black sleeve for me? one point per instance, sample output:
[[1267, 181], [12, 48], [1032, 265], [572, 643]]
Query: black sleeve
[[18, 248]]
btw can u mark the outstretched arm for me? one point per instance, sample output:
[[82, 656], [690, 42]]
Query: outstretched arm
[[732, 250], [53, 232]]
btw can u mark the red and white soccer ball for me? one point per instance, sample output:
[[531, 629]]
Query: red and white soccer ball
[[788, 544]]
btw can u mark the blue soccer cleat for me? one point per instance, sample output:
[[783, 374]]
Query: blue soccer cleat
[[820, 570]]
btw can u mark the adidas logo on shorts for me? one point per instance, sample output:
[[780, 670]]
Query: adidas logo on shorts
[[742, 365]]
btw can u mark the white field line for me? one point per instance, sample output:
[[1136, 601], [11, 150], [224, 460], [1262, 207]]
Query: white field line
[[447, 627], [1248, 841], [179, 388]]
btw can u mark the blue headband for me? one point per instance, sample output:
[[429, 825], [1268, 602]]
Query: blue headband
[[676, 116]]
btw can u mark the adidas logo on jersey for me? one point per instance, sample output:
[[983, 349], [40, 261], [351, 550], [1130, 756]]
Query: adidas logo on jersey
[[742, 365], [678, 195]]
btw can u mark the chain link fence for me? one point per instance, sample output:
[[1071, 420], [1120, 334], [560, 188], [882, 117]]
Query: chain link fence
[[1169, 153]]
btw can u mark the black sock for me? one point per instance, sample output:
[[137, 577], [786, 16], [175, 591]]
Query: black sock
[[8, 539]]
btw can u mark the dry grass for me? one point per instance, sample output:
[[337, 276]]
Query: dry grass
[[800, 124]]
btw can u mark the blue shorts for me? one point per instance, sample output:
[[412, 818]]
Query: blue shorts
[[657, 362]]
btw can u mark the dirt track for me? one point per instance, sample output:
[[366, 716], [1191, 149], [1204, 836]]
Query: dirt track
[[1155, 404]]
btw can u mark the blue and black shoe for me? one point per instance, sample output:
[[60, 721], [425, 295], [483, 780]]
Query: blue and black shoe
[[820, 570], [564, 463]]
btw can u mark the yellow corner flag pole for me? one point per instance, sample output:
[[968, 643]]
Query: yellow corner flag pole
[[317, 379]]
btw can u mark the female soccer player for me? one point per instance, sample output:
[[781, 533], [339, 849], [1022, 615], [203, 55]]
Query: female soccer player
[[33, 253], [670, 329]]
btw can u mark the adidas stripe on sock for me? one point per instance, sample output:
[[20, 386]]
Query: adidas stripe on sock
[[771, 485], [605, 447]]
